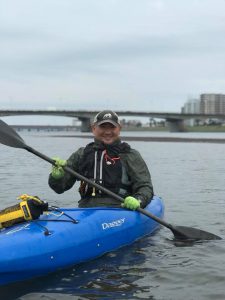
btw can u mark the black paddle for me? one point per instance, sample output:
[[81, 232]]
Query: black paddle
[[10, 137]]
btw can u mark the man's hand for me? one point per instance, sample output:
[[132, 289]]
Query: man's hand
[[57, 170], [131, 203]]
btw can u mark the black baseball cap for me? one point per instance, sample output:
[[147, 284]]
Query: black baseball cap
[[106, 116]]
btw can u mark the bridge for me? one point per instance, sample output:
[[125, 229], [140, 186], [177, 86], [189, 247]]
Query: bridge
[[175, 120]]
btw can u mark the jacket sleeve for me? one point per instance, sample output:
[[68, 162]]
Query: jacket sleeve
[[141, 183], [67, 181]]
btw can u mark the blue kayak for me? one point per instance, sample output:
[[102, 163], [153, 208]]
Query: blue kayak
[[67, 236]]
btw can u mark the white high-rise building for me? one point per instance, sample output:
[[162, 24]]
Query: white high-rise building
[[192, 106]]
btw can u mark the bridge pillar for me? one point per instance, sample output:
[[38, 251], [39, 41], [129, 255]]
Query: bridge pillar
[[85, 124], [176, 125]]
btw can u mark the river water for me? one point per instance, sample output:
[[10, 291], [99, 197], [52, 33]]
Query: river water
[[190, 177]]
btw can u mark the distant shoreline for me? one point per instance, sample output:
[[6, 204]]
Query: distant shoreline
[[153, 139]]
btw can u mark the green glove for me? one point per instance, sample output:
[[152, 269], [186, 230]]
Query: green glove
[[131, 203], [57, 170]]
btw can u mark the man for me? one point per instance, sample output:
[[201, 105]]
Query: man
[[108, 162]]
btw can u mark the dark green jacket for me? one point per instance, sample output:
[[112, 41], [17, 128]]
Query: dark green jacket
[[135, 173]]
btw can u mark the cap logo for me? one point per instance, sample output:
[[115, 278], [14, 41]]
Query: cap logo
[[107, 116]]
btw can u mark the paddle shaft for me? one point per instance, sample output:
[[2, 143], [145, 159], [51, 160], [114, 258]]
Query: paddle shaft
[[96, 185]]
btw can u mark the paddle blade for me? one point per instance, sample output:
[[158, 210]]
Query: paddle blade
[[189, 233], [9, 136], [183, 232]]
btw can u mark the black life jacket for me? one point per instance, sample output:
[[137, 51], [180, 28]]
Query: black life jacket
[[101, 163]]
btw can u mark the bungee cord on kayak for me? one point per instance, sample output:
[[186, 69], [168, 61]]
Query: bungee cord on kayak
[[30, 209]]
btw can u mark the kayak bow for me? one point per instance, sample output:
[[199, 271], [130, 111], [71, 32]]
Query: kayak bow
[[65, 237]]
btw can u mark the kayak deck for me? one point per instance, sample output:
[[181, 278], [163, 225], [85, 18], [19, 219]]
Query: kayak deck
[[68, 236]]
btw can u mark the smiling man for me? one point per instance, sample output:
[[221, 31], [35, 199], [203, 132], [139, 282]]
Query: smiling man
[[109, 162], [106, 127]]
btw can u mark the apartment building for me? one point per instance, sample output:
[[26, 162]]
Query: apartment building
[[212, 104]]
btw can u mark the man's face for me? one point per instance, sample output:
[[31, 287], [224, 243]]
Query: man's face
[[106, 132]]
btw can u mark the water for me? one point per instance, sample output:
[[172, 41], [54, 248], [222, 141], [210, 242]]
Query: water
[[188, 176]]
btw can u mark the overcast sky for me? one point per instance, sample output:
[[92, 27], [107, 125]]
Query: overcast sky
[[121, 54]]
